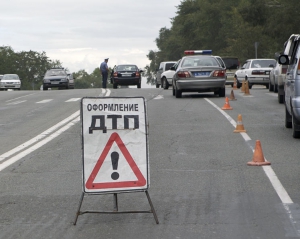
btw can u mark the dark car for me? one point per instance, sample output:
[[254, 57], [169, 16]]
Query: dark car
[[126, 75], [232, 65], [58, 78]]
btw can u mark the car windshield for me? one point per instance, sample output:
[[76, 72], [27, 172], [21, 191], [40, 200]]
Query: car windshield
[[10, 77], [55, 73], [262, 63], [199, 61], [231, 63], [127, 68]]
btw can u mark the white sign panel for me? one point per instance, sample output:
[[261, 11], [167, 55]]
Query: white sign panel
[[115, 145]]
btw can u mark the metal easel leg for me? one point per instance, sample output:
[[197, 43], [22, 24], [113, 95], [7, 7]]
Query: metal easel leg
[[152, 208], [78, 211], [116, 208]]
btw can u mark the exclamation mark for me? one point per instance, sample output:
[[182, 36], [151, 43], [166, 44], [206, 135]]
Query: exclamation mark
[[114, 161]]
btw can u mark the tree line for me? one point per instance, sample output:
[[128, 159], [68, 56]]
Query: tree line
[[228, 28]]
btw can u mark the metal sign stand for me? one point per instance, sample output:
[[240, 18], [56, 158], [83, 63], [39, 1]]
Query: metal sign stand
[[116, 208]]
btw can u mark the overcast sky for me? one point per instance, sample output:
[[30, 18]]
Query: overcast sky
[[81, 33]]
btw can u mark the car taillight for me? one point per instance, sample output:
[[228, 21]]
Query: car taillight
[[183, 74], [219, 73], [116, 74], [137, 74]]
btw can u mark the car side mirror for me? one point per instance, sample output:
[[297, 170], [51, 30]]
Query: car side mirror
[[141, 71], [283, 60], [172, 68]]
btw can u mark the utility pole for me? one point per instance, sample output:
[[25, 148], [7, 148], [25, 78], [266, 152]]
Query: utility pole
[[255, 46]]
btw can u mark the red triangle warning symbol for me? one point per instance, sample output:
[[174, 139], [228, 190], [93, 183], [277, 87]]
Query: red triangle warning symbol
[[141, 181]]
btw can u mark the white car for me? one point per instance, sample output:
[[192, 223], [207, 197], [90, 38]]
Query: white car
[[10, 81], [256, 72], [167, 76]]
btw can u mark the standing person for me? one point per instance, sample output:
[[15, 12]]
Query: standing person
[[104, 72]]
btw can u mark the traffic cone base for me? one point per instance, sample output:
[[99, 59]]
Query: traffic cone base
[[258, 156], [226, 105], [232, 96], [239, 125], [247, 92]]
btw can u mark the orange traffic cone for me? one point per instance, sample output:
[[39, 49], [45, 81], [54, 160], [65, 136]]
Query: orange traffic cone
[[239, 125], [258, 156], [247, 92], [232, 96], [234, 84], [226, 105], [243, 86]]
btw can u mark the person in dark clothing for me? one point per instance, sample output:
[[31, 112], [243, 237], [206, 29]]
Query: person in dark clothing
[[104, 72]]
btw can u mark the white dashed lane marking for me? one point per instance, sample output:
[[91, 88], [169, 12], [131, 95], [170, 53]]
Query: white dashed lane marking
[[16, 102], [73, 99], [44, 101]]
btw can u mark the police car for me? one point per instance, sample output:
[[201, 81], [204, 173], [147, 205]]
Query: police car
[[199, 71]]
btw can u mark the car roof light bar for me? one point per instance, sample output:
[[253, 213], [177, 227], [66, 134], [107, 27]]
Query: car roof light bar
[[198, 52]]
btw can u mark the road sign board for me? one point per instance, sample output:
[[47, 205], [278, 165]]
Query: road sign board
[[114, 144]]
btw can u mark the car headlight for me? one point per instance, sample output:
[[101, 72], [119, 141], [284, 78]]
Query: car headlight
[[46, 81], [64, 79]]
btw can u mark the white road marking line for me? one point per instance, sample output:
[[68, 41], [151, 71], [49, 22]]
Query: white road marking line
[[19, 97], [16, 102], [44, 101], [37, 145], [44, 134], [158, 97], [73, 99], [280, 190], [38, 137]]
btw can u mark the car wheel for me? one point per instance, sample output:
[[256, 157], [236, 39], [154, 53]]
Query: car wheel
[[157, 85], [296, 134], [275, 88], [222, 92], [178, 93], [250, 86], [288, 119], [267, 86], [280, 99], [271, 87], [165, 83], [45, 88], [139, 85], [238, 84], [115, 85]]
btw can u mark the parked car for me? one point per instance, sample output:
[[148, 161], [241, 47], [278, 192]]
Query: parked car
[[232, 65], [167, 77], [126, 74], [255, 71], [288, 49], [10, 81], [163, 66], [58, 78], [273, 77], [292, 87], [198, 71]]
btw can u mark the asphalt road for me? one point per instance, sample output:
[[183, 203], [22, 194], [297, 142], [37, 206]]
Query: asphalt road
[[201, 185]]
